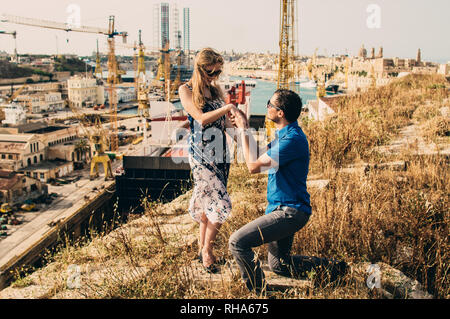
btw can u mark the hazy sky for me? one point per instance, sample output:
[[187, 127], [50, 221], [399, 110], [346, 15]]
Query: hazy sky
[[247, 25]]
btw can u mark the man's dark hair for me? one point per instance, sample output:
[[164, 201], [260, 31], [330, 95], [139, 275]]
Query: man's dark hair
[[290, 102]]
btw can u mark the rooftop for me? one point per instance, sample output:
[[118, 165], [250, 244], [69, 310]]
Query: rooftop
[[48, 129], [16, 138], [44, 165], [8, 179]]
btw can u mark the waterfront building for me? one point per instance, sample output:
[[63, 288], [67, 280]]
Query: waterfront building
[[20, 150], [45, 171], [14, 114], [48, 151], [85, 92], [123, 93], [444, 69], [42, 102], [15, 187]]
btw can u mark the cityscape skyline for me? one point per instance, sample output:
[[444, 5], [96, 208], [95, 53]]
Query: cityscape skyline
[[400, 27]]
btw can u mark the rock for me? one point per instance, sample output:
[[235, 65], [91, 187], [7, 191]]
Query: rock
[[319, 184], [230, 272], [393, 283], [395, 166]]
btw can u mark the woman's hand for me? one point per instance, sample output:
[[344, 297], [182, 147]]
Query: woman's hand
[[231, 108], [238, 118]]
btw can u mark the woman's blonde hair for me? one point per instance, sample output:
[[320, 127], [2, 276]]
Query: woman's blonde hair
[[205, 58]]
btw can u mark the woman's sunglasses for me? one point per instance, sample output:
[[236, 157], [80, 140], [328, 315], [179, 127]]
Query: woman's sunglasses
[[212, 73]]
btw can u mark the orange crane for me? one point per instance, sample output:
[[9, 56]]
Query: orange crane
[[113, 70]]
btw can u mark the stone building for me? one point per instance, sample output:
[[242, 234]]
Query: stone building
[[42, 102], [15, 187], [85, 92], [19, 151]]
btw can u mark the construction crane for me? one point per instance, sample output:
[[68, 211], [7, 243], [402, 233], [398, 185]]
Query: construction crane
[[177, 82], [142, 90], [113, 70], [288, 51], [15, 94], [163, 67], [14, 35], [98, 73], [99, 142]]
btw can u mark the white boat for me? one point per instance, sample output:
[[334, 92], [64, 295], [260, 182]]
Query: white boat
[[308, 85]]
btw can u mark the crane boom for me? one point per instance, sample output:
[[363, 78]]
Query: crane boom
[[51, 24], [113, 71], [13, 33]]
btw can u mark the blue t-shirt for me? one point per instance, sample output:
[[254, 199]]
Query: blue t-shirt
[[287, 183]]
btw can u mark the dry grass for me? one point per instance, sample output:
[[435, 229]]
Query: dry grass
[[396, 217], [371, 119]]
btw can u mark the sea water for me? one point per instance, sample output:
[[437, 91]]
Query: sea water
[[260, 95], [263, 92]]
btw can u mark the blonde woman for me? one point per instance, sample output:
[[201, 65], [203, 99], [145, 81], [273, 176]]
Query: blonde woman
[[203, 100]]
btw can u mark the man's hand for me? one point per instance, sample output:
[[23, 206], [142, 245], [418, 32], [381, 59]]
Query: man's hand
[[238, 119]]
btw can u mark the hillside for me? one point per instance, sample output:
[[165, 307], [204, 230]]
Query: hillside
[[73, 65], [11, 71], [378, 196]]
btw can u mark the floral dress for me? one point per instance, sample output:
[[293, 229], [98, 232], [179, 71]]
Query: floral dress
[[210, 165]]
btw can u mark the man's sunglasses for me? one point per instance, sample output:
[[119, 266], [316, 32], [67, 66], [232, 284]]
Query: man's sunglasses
[[271, 105], [212, 73]]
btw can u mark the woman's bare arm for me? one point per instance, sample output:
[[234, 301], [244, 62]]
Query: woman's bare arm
[[202, 118]]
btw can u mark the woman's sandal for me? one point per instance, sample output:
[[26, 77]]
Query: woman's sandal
[[220, 262], [211, 269]]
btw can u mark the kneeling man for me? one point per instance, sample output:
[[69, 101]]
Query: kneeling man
[[289, 209]]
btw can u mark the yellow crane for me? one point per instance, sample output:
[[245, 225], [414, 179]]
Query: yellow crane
[[99, 141], [177, 82], [113, 70], [16, 94], [164, 67], [288, 50], [141, 86]]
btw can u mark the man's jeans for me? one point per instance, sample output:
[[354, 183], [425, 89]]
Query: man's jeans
[[276, 228]]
